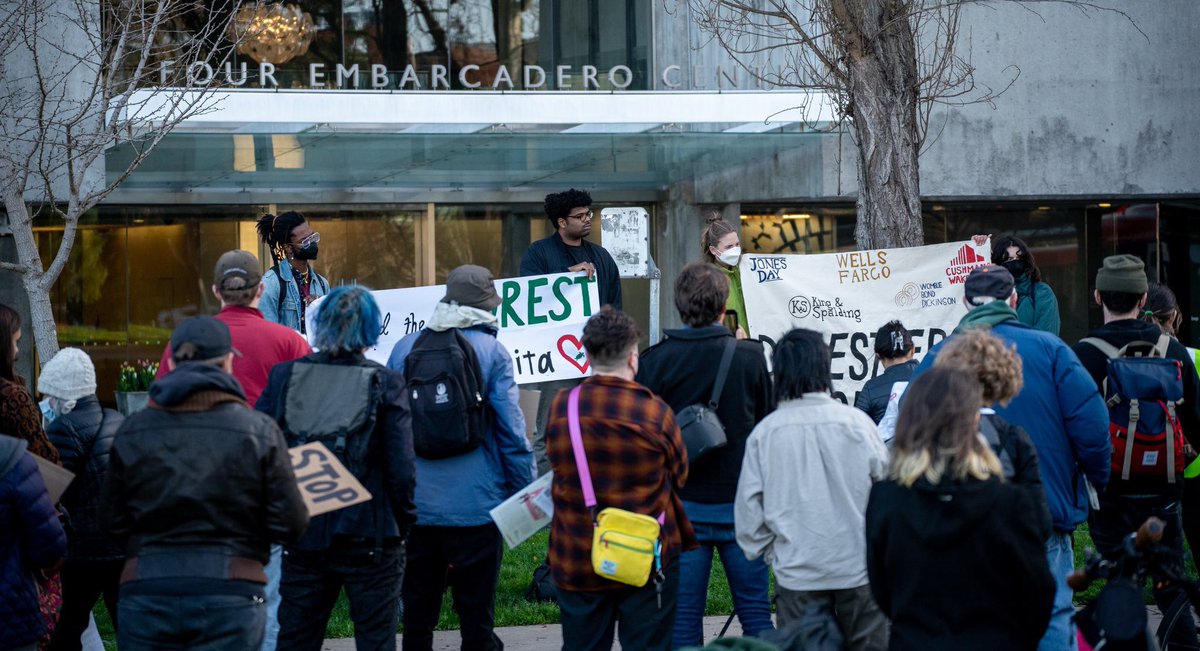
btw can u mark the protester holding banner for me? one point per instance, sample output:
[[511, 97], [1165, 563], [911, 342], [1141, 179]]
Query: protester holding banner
[[630, 445], [720, 245], [1037, 305], [1063, 413], [894, 348], [682, 370], [454, 538], [198, 488], [359, 410], [291, 285], [567, 249], [802, 496], [954, 559], [83, 432]]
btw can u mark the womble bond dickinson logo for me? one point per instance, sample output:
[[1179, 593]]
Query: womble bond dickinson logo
[[965, 261]]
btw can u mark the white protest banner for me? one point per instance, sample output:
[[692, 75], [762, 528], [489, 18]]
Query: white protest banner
[[848, 296], [325, 484], [540, 319], [526, 512]]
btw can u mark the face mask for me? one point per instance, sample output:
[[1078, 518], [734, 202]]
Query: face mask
[[48, 414], [307, 253], [1015, 267], [731, 256]]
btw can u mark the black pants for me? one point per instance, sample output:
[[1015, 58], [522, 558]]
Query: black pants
[[310, 585], [1191, 516], [588, 618], [83, 583], [1121, 515], [468, 558]]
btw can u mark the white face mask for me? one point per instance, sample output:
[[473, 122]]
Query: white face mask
[[731, 256]]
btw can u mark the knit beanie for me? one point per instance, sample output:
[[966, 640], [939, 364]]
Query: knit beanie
[[1122, 273], [69, 375]]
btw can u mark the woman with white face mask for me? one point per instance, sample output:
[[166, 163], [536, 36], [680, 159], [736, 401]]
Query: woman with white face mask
[[720, 245]]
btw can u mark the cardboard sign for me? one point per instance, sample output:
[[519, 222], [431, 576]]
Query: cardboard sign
[[848, 296], [325, 484], [55, 477], [540, 320]]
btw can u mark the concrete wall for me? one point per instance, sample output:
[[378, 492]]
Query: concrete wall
[[1099, 109]]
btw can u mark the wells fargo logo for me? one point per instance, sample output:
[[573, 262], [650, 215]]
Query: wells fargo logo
[[963, 263]]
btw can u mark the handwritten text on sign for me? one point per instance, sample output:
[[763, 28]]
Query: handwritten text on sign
[[848, 296], [540, 320], [325, 484]]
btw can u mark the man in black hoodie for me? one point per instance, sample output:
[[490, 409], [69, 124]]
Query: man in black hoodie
[[198, 488], [1121, 291]]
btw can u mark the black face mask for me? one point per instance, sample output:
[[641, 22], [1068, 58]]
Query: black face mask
[[1015, 267], [307, 253]]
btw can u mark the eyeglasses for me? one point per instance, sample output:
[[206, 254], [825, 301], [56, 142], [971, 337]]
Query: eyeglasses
[[310, 240], [583, 216]]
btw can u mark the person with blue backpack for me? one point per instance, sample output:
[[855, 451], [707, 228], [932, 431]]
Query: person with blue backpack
[[1149, 383]]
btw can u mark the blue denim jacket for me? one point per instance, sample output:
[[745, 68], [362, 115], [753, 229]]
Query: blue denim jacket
[[459, 491], [287, 314]]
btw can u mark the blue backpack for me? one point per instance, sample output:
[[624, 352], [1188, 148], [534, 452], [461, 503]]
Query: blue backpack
[[1142, 390]]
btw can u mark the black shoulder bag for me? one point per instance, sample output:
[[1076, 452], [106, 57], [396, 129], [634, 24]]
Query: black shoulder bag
[[702, 430]]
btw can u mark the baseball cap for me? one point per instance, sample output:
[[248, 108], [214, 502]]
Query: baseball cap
[[237, 270], [201, 338], [472, 286], [989, 280]]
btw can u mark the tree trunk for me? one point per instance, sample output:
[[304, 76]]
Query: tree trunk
[[883, 105], [41, 326]]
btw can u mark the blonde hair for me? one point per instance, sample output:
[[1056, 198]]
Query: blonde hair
[[997, 367], [937, 434]]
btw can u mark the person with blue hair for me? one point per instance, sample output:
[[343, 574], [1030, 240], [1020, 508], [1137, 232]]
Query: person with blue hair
[[360, 547]]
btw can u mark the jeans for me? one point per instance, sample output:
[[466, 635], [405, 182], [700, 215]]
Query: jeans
[[312, 581], [468, 558], [749, 585], [214, 622], [1060, 634], [274, 570], [863, 625], [84, 583], [1120, 516], [588, 618]]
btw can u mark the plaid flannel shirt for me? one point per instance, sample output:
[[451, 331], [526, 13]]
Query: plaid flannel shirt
[[638, 463]]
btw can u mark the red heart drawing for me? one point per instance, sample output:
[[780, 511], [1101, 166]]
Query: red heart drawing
[[574, 359]]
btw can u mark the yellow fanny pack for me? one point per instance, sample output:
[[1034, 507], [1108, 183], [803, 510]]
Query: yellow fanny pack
[[625, 545]]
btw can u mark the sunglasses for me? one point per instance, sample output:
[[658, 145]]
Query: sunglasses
[[310, 240]]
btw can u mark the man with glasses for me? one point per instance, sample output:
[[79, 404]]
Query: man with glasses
[[565, 250], [292, 284]]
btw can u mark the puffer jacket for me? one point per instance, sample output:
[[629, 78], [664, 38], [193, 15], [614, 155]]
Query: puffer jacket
[[31, 538], [200, 469], [84, 438], [874, 396]]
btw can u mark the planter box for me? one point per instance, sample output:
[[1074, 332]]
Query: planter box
[[131, 401]]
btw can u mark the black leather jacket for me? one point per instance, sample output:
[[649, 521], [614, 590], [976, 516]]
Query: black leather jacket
[[873, 398], [200, 470], [84, 438]]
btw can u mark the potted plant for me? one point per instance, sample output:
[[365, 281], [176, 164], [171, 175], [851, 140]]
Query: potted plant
[[133, 386]]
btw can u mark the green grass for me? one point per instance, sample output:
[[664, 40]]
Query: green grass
[[517, 568]]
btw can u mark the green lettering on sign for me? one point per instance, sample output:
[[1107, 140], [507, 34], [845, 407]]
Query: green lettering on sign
[[557, 288], [534, 299], [512, 291], [587, 299]]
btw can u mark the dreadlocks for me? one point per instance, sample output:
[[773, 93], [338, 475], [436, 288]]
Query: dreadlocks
[[276, 231]]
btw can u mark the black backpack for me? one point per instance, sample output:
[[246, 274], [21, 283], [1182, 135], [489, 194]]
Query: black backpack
[[334, 404], [445, 393]]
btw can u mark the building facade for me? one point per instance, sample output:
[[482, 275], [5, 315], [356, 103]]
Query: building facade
[[420, 135]]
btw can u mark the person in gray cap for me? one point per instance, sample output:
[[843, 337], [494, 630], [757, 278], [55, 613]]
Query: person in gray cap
[[462, 477], [199, 485], [1063, 413], [1131, 497]]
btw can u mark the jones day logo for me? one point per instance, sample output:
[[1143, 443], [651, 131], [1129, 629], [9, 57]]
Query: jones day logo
[[964, 262], [767, 269]]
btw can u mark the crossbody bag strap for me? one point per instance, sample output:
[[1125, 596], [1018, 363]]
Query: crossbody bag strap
[[585, 475], [722, 373]]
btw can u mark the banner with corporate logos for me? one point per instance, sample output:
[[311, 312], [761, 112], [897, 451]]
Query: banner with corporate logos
[[848, 296], [540, 320]]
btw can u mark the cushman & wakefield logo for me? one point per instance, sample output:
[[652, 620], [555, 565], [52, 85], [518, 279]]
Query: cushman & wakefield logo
[[965, 261]]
